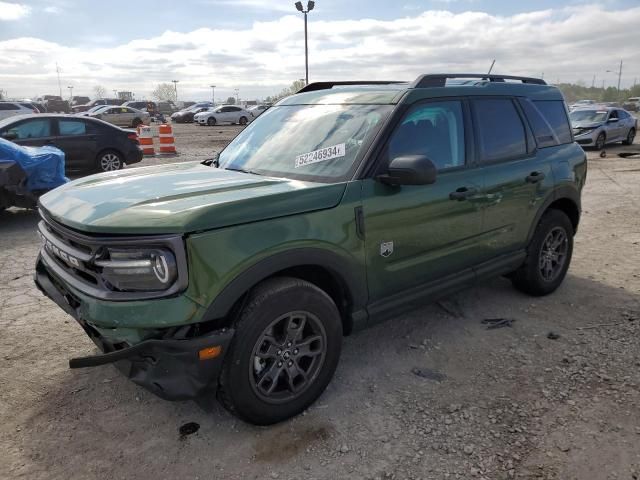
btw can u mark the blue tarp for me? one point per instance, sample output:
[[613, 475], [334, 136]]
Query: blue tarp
[[44, 166]]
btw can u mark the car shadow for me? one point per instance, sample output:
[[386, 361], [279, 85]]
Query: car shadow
[[102, 424], [16, 220]]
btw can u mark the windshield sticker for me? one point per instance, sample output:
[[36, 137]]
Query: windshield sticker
[[320, 155]]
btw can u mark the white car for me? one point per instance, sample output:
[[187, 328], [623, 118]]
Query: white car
[[9, 109], [223, 114], [257, 110]]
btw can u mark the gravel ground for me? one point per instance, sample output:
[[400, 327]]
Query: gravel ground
[[438, 396]]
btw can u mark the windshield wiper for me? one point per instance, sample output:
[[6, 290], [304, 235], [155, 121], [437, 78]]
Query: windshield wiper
[[242, 170]]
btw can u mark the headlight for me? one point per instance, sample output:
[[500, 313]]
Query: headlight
[[146, 270]]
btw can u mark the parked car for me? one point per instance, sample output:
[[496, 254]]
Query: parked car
[[98, 101], [79, 100], [632, 104], [581, 104], [148, 106], [167, 108], [89, 144], [122, 116], [95, 109], [239, 276], [223, 114], [9, 109], [257, 110], [602, 125], [56, 104], [28, 172], [186, 115]]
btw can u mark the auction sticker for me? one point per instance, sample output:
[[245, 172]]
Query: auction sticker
[[320, 155]]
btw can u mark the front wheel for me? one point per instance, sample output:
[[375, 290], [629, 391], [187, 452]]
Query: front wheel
[[109, 161], [284, 353], [600, 141], [548, 255], [211, 121], [243, 121], [630, 137]]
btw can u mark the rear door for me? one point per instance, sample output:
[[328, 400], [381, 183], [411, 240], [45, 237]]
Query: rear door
[[77, 138], [516, 178]]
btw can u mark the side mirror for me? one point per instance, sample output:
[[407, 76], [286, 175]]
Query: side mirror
[[410, 170], [612, 120]]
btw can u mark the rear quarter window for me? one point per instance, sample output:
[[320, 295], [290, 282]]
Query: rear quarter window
[[543, 132], [555, 114]]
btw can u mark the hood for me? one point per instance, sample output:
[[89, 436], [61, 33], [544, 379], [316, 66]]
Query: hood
[[181, 198]]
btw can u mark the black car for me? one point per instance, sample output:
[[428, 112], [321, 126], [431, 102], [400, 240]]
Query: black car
[[89, 144], [186, 116]]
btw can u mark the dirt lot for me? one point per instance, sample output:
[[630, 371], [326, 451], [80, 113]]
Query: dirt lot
[[433, 395]]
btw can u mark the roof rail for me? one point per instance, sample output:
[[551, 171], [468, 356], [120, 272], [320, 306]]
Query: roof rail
[[312, 87], [440, 79]]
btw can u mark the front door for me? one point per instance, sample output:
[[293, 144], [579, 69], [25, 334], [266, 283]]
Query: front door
[[418, 234]]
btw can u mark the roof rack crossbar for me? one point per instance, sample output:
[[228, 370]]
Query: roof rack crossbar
[[312, 87], [440, 79]]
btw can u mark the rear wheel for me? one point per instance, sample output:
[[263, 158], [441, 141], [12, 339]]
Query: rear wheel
[[136, 122], [630, 137], [243, 121], [284, 353], [110, 160], [601, 141], [548, 255], [211, 121]]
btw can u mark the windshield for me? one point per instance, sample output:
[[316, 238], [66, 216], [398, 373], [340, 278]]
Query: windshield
[[96, 108], [305, 142], [593, 116]]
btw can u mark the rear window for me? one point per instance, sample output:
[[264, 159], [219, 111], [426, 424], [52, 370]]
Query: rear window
[[545, 137], [555, 114], [72, 127], [501, 133]]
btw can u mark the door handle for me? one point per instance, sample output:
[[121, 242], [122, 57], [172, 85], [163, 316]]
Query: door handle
[[535, 177], [462, 193]]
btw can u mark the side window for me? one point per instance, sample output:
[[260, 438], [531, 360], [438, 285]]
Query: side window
[[32, 129], [555, 113], [624, 114], [613, 114], [8, 106], [234, 109], [72, 127], [545, 137], [435, 130], [501, 134]]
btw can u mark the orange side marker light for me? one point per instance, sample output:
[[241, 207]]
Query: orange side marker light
[[209, 352]]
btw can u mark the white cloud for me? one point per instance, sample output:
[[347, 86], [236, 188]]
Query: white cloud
[[569, 44], [13, 11], [52, 9]]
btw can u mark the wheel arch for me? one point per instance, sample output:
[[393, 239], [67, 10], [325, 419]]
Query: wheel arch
[[565, 199], [327, 270]]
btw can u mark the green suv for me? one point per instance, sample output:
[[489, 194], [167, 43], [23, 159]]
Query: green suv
[[340, 206]]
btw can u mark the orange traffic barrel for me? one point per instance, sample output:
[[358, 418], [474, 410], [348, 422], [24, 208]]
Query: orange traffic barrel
[[145, 138], [167, 142]]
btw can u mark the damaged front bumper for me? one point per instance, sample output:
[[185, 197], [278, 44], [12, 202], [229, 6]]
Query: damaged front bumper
[[173, 369]]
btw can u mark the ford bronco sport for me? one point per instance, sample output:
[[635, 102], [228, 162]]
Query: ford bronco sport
[[342, 205]]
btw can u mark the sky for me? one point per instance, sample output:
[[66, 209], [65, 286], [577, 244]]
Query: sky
[[257, 46]]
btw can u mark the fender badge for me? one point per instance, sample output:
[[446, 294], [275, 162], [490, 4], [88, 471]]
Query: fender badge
[[386, 249]]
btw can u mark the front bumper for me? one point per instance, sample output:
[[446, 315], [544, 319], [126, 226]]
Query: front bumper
[[170, 368]]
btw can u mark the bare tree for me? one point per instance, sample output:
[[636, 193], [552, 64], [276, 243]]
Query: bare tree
[[165, 92], [99, 91], [231, 101]]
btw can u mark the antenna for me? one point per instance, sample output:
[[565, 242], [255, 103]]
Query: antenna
[[491, 67]]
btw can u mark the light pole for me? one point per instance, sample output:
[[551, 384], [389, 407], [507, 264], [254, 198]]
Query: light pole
[[310, 5], [175, 88], [70, 93], [213, 93], [619, 74], [115, 94], [237, 90]]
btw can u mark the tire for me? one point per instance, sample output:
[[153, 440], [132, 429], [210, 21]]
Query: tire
[[261, 345], [630, 137], [243, 121], [211, 121], [541, 273], [109, 161], [601, 141], [136, 122]]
